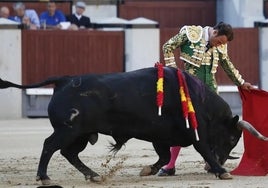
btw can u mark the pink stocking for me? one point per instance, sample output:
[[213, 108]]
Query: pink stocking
[[174, 151]]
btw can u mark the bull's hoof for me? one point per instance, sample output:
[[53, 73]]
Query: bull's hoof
[[96, 179], [46, 181], [226, 176], [166, 172], [207, 167], [146, 171]]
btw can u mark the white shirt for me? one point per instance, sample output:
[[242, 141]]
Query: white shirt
[[78, 16], [206, 33]]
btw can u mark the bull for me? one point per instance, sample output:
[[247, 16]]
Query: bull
[[123, 105]]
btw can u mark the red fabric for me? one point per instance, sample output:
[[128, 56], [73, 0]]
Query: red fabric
[[184, 103], [160, 94], [254, 110]]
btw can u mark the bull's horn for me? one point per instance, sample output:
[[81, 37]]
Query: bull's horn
[[246, 125]]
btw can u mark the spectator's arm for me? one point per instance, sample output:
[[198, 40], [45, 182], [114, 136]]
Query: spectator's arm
[[62, 17], [68, 18], [34, 19]]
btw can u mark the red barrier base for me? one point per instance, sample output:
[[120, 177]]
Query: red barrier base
[[255, 158]]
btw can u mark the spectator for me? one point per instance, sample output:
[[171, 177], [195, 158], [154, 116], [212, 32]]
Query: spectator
[[28, 17], [52, 16], [78, 18], [4, 12]]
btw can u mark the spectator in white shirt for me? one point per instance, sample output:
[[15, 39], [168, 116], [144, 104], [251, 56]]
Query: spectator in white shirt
[[28, 17]]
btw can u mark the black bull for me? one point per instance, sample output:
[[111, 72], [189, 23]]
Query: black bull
[[123, 105]]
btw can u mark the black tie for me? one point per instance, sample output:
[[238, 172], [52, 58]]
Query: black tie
[[208, 46]]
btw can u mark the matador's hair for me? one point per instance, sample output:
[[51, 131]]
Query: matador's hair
[[225, 29]]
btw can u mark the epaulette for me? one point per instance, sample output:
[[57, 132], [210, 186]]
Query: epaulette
[[222, 48], [193, 33]]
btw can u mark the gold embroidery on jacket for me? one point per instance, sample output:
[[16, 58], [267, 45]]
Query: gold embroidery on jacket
[[194, 33], [193, 51]]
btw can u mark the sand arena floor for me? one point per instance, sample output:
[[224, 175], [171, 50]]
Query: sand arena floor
[[21, 143]]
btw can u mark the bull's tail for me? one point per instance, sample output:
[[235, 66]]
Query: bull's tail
[[6, 84], [114, 148]]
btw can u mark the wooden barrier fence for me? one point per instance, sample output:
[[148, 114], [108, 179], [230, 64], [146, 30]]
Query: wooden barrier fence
[[48, 53], [171, 14]]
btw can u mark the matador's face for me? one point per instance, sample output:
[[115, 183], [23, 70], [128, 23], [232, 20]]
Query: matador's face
[[216, 40]]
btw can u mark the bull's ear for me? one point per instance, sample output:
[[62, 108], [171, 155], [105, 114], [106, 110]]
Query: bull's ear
[[93, 138], [235, 120]]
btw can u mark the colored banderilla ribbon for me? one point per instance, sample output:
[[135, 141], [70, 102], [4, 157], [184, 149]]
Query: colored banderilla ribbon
[[187, 106], [160, 87]]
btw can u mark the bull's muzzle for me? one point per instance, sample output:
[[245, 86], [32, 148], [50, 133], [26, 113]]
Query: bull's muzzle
[[247, 126]]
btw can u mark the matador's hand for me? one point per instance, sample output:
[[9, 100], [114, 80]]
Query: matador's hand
[[247, 86]]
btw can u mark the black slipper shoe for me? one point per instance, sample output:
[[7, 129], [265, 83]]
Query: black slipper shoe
[[166, 172]]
